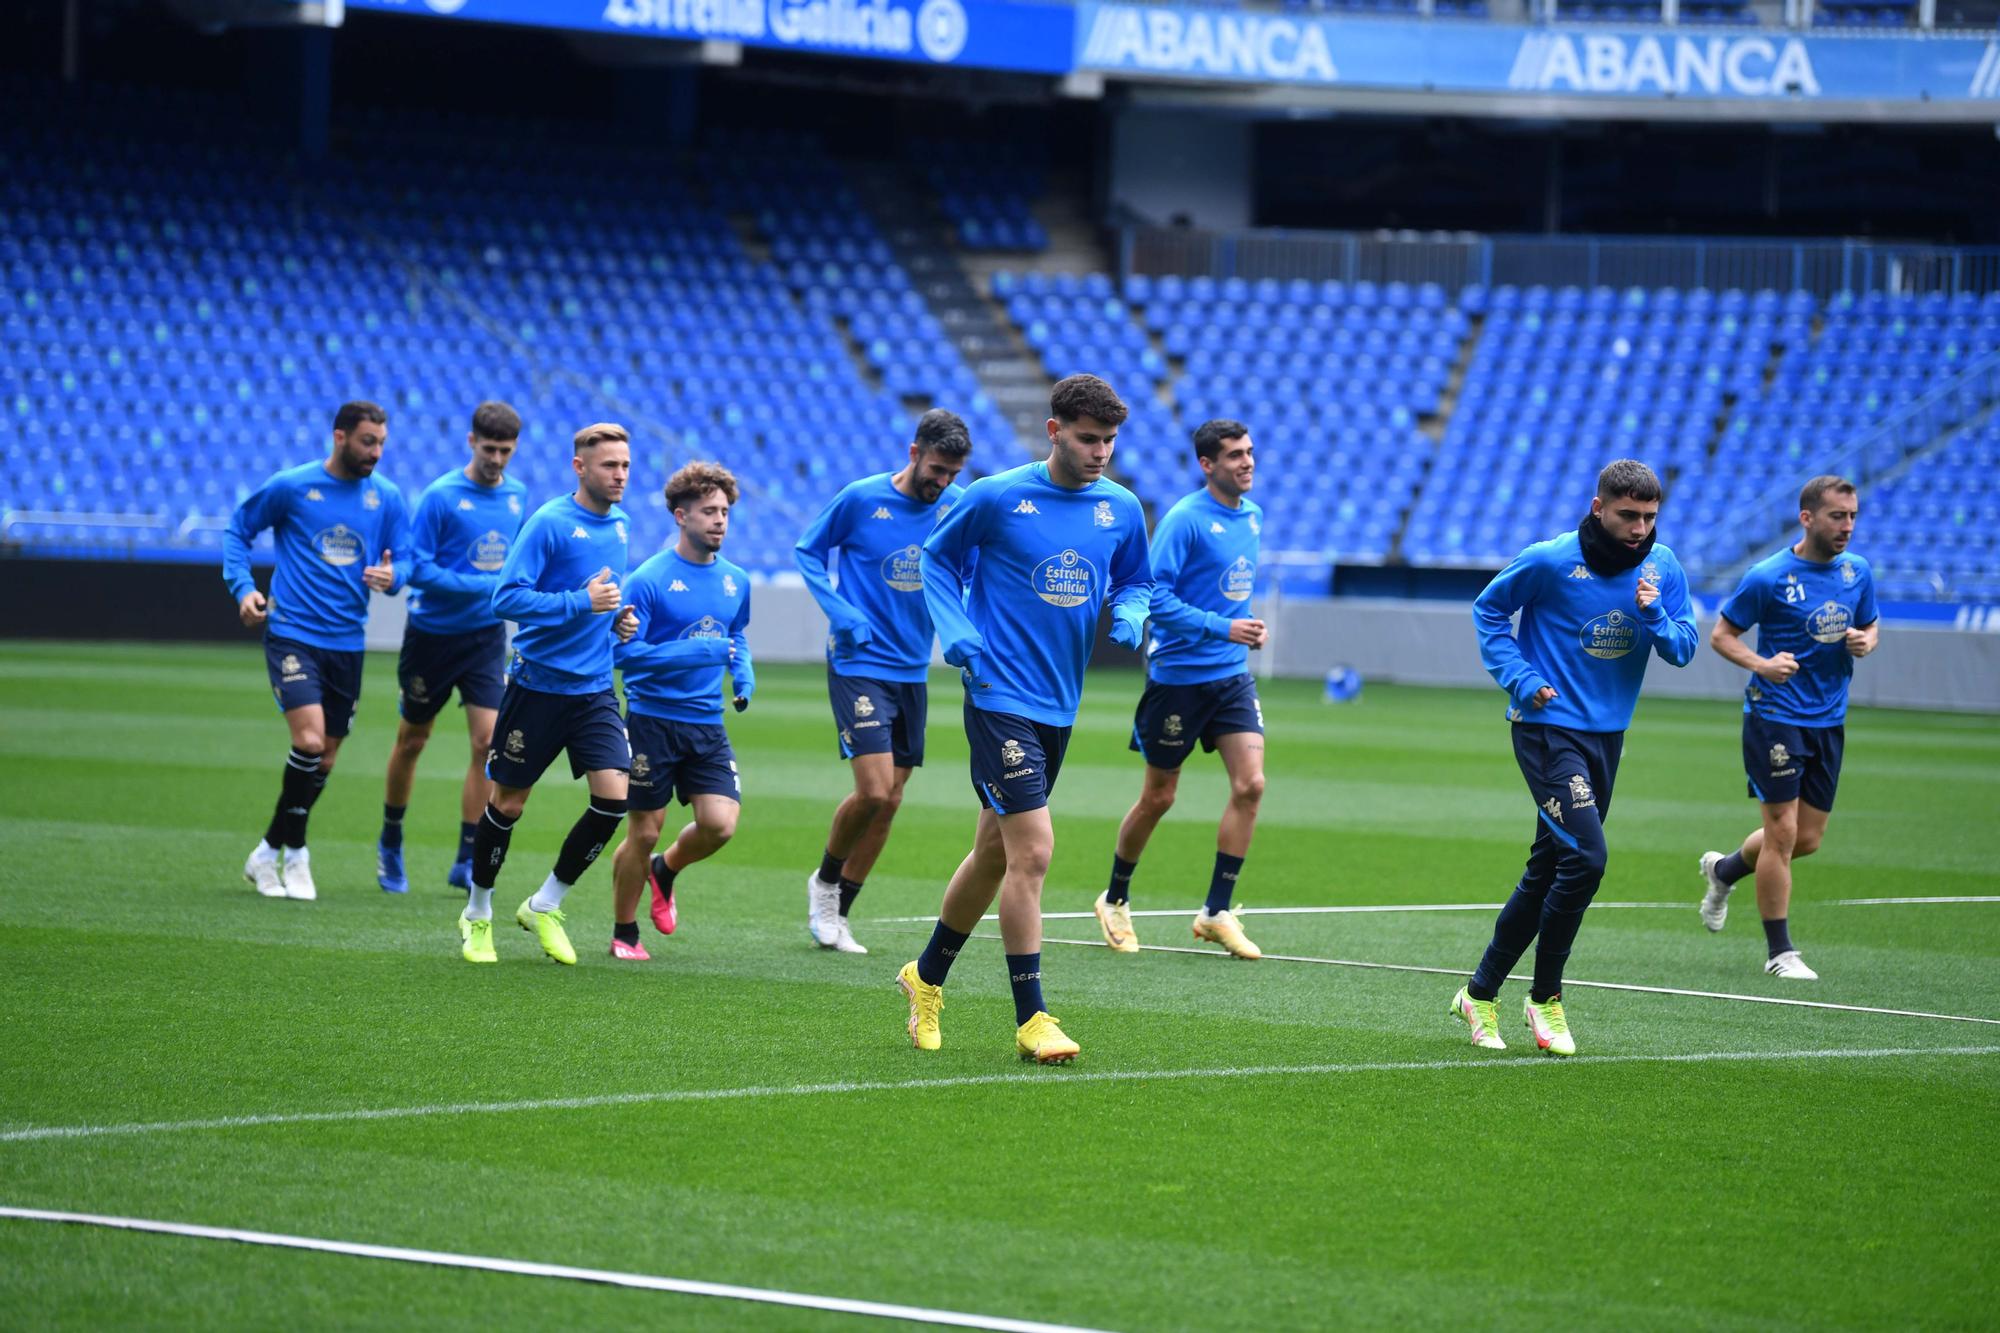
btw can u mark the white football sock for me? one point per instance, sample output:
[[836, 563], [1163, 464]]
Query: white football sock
[[479, 904], [549, 897]]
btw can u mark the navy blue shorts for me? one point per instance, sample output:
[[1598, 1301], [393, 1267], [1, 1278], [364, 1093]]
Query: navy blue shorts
[[433, 665], [880, 717], [1171, 718], [1014, 760], [1569, 775], [1788, 763], [535, 726], [302, 675], [689, 758]]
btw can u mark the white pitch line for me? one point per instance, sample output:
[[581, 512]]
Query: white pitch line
[[1567, 982], [1687, 906], [1880, 902], [915, 1314], [1039, 1078]]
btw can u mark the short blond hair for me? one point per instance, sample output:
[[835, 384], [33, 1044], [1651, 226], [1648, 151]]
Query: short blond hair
[[592, 436], [695, 480]]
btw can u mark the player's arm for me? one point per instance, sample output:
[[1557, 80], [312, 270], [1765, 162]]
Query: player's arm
[[259, 510], [1499, 651], [1745, 608], [815, 545], [1132, 587], [1669, 618], [426, 571], [670, 655], [947, 566], [1171, 546], [1862, 641], [742, 670], [396, 540], [515, 596]]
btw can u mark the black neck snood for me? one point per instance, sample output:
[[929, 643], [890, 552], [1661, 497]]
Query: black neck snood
[[1605, 556]]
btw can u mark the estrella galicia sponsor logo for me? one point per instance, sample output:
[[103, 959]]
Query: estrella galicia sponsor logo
[[938, 30], [488, 551], [338, 545], [903, 570], [1610, 635], [1160, 40], [1065, 580], [1616, 63], [1829, 623], [1238, 578], [708, 627]]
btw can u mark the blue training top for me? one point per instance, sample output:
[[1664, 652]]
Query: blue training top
[[1204, 571], [1015, 576], [327, 531], [689, 617], [1804, 608], [1581, 632], [880, 602], [462, 534], [563, 647]]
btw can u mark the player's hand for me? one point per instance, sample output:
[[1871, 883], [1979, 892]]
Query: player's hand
[[1250, 633], [380, 577], [626, 625], [604, 594], [1861, 642], [974, 673], [742, 701], [1649, 592], [1779, 669], [1542, 696], [1127, 631], [253, 610]]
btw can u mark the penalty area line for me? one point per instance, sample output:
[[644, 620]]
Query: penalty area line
[[524, 1268], [1567, 982], [1037, 1078]]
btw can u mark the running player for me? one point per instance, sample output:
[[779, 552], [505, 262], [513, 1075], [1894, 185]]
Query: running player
[[878, 655], [465, 524], [561, 586], [1198, 684], [1593, 603], [693, 607], [329, 520], [1015, 577], [1815, 606]]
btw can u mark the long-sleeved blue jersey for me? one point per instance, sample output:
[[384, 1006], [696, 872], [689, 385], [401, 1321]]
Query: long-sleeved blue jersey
[[689, 617], [562, 646], [1015, 576], [1804, 608], [880, 533], [1204, 559], [461, 535], [327, 531], [1581, 632]]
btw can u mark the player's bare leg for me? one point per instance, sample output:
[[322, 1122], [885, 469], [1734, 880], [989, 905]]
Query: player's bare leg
[[628, 880]]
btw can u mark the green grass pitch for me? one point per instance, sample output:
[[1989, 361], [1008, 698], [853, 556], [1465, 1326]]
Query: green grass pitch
[[1331, 1152]]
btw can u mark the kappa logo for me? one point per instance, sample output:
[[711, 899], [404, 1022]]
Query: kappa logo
[[1215, 527], [677, 586], [847, 738], [516, 742], [1580, 794], [1026, 507], [312, 493], [641, 766], [1554, 806], [465, 505], [881, 511], [1011, 753], [1173, 727], [1579, 573], [1102, 515], [290, 665], [864, 706], [371, 500], [579, 533], [1780, 756]]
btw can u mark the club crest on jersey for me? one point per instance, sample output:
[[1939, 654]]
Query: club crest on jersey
[[338, 545], [1554, 806], [1849, 573], [1173, 726], [1065, 580], [1011, 753], [1650, 572], [1579, 573], [708, 627], [619, 528], [513, 504], [516, 742], [1026, 507], [945, 508], [728, 585], [881, 511], [1256, 527], [1829, 623], [489, 551], [1580, 794], [641, 765], [1611, 635], [1238, 578], [1102, 515], [371, 500], [863, 706], [903, 569]]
